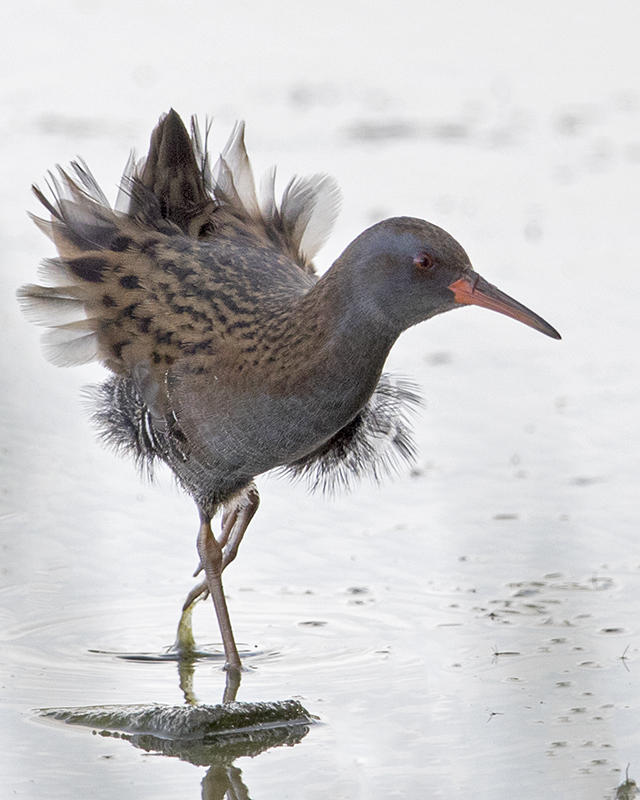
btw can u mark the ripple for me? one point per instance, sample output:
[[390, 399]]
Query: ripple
[[204, 652]]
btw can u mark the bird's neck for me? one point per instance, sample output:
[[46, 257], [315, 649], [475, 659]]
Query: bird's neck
[[355, 326], [346, 341]]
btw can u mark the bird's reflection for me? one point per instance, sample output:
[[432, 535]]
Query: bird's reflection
[[224, 782], [222, 779], [187, 656], [212, 736], [186, 671]]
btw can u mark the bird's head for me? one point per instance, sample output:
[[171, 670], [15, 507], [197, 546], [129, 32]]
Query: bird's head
[[406, 270]]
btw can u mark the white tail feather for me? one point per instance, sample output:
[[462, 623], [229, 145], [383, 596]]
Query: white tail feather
[[54, 272], [268, 205], [307, 210], [70, 347], [50, 309], [235, 155], [326, 207]]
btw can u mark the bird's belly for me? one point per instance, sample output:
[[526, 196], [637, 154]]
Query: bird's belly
[[251, 435]]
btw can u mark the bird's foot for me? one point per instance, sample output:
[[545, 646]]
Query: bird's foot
[[201, 590]]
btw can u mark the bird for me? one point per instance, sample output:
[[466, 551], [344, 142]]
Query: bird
[[227, 355]]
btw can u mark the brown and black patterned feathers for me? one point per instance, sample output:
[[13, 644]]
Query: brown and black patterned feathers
[[175, 178], [167, 274], [201, 298]]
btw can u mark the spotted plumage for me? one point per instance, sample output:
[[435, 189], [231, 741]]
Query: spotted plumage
[[228, 356], [195, 270]]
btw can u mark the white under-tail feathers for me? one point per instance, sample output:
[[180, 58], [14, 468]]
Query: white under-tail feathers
[[305, 215], [58, 302], [308, 208], [71, 339], [233, 174]]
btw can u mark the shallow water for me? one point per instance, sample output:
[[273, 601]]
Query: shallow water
[[469, 628]]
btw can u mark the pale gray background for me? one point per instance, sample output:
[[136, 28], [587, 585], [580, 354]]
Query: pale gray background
[[514, 125]]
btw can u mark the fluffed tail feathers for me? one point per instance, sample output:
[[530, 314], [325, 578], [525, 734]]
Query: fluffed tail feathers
[[98, 297], [174, 177]]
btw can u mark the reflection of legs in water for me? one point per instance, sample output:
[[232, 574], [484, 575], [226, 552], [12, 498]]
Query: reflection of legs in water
[[185, 647], [221, 779]]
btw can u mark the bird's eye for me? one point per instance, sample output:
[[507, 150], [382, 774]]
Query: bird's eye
[[424, 261]]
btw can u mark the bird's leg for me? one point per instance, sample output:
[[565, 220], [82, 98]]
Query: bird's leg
[[211, 560], [236, 521], [215, 556]]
